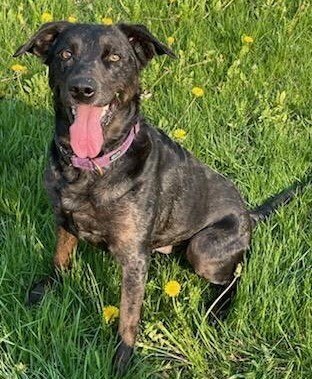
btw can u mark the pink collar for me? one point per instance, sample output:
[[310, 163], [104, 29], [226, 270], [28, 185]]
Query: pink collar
[[106, 159]]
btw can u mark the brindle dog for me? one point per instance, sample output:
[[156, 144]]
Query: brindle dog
[[150, 194]]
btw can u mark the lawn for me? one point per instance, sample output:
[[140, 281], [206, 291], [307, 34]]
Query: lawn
[[253, 123]]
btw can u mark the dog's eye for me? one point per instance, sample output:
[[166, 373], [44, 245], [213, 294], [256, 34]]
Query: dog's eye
[[113, 58], [66, 55]]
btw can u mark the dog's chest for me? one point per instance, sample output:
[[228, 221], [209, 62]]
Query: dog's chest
[[91, 210], [83, 212]]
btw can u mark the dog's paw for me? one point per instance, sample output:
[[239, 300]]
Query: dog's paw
[[37, 291], [122, 358]]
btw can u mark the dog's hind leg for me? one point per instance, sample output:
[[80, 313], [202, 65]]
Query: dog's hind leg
[[66, 243], [215, 251]]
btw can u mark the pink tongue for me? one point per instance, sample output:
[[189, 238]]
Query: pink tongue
[[86, 136]]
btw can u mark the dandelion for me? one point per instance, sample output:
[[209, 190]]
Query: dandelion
[[46, 17], [19, 68], [170, 41], [172, 288], [179, 134], [106, 21], [248, 39], [198, 91], [110, 313], [20, 18], [238, 270], [72, 19], [20, 367]]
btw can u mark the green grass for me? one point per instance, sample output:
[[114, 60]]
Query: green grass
[[253, 124]]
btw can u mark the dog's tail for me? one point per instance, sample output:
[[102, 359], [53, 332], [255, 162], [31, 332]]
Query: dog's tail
[[263, 211]]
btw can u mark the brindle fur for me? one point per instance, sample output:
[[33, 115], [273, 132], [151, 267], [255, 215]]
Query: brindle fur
[[155, 196]]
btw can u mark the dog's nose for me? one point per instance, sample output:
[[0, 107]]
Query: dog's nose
[[82, 89]]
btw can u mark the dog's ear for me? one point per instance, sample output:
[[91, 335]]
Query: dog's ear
[[145, 45], [41, 41]]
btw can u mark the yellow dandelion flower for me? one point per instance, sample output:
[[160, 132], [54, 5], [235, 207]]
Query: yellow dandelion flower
[[106, 21], [72, 19], [46, 17], [179, 134], [170, 40], [110, 313], [20, 18], [248, 39], [172, 288], [19, 68], [238, 270], [198, 91], [20, 367]]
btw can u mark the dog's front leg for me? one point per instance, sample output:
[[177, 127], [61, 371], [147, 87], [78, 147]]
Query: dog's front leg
[[134, 273], [66, 243]]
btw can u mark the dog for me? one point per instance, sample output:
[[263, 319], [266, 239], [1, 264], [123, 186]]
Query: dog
[[121, 184]]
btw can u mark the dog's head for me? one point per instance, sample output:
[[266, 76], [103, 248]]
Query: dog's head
[[93, 73]]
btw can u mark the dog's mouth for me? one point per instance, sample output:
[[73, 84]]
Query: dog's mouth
[[86, 131]]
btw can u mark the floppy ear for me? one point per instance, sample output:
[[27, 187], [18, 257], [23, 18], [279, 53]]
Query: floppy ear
[[40, 42], [145, 45]]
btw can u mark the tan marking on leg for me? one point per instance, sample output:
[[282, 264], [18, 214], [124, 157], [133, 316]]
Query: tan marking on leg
[[128, 334], [130, 310], [66, 242], [132, 294]]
